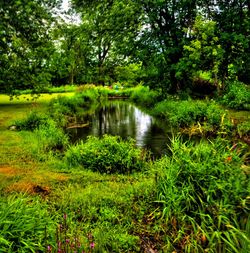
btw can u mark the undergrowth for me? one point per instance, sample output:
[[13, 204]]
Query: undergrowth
[[109, 154], [236, 96], [25, 224], [204, 196]]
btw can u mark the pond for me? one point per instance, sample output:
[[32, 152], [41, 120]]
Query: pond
[[124, 119]]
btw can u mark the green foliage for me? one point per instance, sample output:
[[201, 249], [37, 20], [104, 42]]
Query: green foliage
[[48, 134], [51, 137], [243, 128], [60, 89], [107, 155], [107, 208], [144, 96], [237, 96], [185, 113], [203, 192], [25, 225], [129, 75], [203, 56], [26, 44], [33, 120]]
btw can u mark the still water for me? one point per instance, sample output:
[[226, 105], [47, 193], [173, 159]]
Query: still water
[[122, 118]]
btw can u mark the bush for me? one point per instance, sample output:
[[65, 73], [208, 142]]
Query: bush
[[63, 107], [31, 122], [50, 137], [107, 155], [204, 195], [25, 225], [243, 129], [144, 96], [237, 96], [66, 105], [186, 113]]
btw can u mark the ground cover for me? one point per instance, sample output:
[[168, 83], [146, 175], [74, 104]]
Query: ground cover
[[195, 200]]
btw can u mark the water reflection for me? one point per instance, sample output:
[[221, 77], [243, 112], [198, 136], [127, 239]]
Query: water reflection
[[124, 119]]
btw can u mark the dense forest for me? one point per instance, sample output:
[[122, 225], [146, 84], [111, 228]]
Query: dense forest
[[187, 45]]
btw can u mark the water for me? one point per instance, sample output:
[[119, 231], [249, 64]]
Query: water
[[126, 120]]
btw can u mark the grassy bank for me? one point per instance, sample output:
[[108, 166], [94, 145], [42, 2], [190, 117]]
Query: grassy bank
[[105, 195]]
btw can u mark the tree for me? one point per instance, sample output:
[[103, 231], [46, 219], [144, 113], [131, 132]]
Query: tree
[[165, 32], [111, 26], [202, 57], [70, 60], [25, 43]]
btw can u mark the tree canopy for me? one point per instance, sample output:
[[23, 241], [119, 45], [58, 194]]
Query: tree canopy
[[173, 45]]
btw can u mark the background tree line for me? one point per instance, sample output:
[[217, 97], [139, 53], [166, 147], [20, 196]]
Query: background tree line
[[172, 45]]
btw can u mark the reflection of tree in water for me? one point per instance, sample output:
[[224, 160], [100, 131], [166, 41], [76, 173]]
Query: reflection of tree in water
[[124, 119]]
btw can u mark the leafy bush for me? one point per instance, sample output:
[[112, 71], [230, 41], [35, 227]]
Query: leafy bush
[[129, 75], [243, 129], [63, 106], [31, 122], [50, 137], [61, 89], [237, 96], [144, 96], [107, 155], [66, 105], [186, 113], [204, 195], [25, 225]]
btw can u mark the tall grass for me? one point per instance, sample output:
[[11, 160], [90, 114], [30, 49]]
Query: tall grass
[[25, 225], [204, 195]]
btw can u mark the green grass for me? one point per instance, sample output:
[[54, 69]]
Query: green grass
[[204, 195], [29, 99], [194, 200]]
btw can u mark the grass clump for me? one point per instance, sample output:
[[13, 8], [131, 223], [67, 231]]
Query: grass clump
[[25, 225], [243, 129], [204, 195], [109, 154], [48, 135]]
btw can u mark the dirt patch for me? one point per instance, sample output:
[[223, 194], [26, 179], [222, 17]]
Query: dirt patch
[[28, 187], [30, 181], [9, 172]]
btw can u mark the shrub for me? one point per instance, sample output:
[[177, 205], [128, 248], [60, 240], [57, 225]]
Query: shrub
[[186, 113], [237, 96], [50, 137], [204, 195], [63, 107], [107, 155], [25, 225], [66, 105], [243, 129], [144, 96], [31, 122]]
